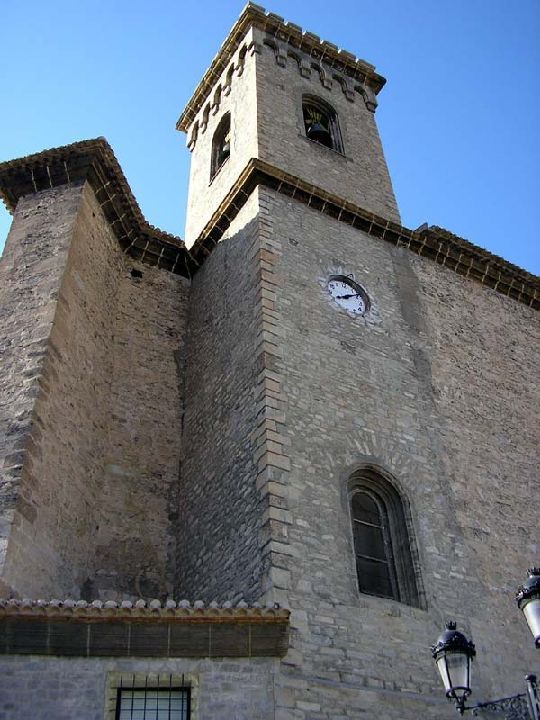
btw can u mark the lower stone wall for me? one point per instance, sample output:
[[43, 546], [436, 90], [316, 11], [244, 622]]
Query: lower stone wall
[[67, 688], [226, 689]]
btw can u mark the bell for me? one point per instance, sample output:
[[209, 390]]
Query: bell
[[224, 153], [320, 134]]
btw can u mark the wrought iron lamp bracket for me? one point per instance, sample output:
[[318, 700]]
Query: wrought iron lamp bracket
[[513, 707], [524, 706]]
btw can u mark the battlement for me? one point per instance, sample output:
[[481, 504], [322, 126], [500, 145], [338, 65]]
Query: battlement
[[278, 32]]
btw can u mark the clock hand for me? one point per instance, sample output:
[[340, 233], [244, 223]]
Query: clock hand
[[347, 297]]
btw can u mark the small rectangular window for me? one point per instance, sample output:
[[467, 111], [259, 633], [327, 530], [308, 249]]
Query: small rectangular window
[[153, 704]]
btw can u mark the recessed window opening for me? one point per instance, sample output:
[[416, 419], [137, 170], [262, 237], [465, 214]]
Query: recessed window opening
[[321, 123], [221, 144], [382, 542]]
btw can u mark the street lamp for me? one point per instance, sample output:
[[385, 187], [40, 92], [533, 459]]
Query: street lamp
[[528, 600], [453, 654]]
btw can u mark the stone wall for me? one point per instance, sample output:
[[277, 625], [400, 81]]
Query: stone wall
[[236, 94], [136, 542], [64, 688], [99, 424], [393, 390], [484, 355], [31, 271], [264, 99], [360, 175], [220, 509]]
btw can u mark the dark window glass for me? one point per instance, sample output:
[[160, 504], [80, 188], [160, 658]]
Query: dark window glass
[[374, 577], [371, 542], [365, 508], [153, 704]]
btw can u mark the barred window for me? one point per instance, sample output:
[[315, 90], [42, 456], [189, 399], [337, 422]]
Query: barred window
[[153, 704], [381, 537]]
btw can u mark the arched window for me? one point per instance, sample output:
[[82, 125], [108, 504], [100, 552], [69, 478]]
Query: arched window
[[321, 123], [221, 144], [382, 542]]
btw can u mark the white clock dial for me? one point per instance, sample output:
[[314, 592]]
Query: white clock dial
[[348, 295]]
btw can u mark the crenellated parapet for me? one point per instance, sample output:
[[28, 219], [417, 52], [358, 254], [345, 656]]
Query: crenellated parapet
[[234, 70], [313, 64], [315, 58]]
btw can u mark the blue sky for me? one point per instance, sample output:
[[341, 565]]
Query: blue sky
[[459, 117]]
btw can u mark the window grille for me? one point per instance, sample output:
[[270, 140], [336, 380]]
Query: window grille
[[153, 704]]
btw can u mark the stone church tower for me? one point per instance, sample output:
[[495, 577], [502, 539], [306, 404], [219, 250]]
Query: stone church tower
[[313, 423]]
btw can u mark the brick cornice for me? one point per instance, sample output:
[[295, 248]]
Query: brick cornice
[[94, 161], [256, 16], [435, 243]]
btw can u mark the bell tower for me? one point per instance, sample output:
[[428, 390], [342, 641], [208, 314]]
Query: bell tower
[[294, 102]]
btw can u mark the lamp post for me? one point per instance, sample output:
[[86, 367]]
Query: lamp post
[[454, 654]]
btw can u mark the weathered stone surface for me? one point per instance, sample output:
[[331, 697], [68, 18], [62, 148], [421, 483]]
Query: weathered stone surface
[[70, 686], [436, 389], [218, 501], [91, 450]]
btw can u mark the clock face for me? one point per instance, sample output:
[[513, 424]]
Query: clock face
[[348, 294]]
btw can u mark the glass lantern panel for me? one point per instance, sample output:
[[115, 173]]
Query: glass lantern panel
[[531, 610], [441, 667], [457, 664]]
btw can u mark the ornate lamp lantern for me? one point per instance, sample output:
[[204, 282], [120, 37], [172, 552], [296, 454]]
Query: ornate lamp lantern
[[453, 654], [528, 600]]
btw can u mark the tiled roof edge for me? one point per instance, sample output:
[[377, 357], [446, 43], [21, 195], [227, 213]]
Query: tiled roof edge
[[256, 15], [143, 609], [437, 244], [94, 161]]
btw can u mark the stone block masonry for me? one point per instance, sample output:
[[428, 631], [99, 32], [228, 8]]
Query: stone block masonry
[[31, 270], [237, 688], [200, 435], [392, 389], [90, 495], [219, 503], [360, 175]]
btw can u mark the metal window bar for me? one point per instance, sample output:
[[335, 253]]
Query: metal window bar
[[153, 703]]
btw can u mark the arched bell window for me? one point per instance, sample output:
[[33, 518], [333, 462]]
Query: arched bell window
[[221, 144], [382, 540], [321, 123]]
